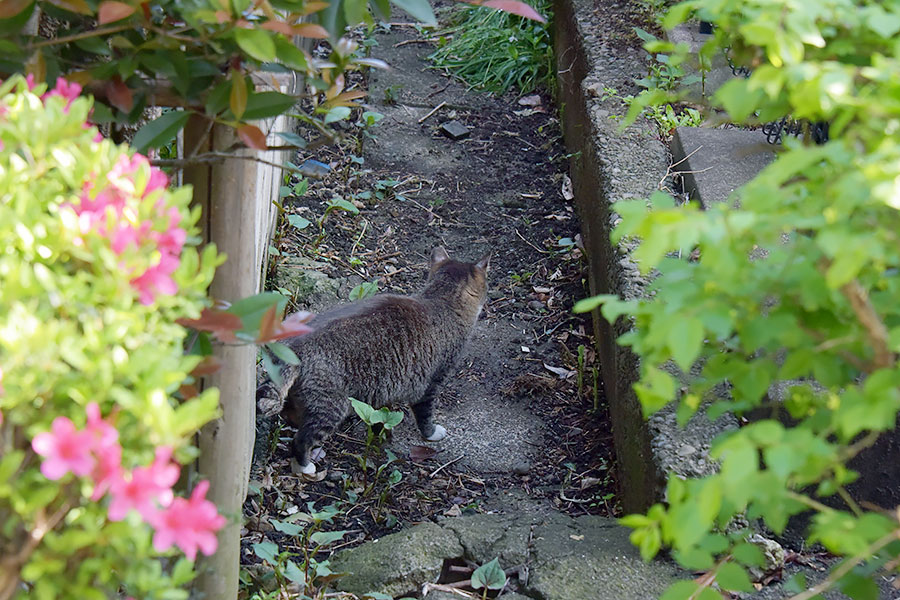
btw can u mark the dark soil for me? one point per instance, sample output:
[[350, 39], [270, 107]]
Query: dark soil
[[499, 190]]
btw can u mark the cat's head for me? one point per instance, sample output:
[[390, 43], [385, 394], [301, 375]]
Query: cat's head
[[465, 283]]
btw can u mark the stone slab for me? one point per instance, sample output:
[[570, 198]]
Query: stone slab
[[715, 162]]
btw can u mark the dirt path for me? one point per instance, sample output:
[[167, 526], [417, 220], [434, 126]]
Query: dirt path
[[521, 437]]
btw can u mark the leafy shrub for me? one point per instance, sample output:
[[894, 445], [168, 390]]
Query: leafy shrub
[[98, 260], [797, 284], [496, 51]]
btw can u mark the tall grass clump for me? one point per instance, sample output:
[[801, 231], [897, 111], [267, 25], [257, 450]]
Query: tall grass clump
[[495, 51]]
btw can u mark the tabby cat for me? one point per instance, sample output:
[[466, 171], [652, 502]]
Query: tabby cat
[[384, 350]]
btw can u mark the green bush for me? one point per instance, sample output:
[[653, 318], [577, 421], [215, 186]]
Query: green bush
[[797, 283], [97, 259]]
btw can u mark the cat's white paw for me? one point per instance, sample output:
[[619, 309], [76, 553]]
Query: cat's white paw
[[308, 469], [439, 434]]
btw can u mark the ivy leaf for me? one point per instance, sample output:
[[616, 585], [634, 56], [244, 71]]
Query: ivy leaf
[[119, 94], [160, 131], [267, 551], [326, 537], [301, 224], [256, 43], [362, 409], [489, 576], [338, 113], [111, 11], [288, 528]]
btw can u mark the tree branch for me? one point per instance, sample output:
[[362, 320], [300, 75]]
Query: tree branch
[[877, 332]]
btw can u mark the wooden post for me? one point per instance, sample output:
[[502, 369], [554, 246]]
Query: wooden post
[[230, 217], [239, 217]]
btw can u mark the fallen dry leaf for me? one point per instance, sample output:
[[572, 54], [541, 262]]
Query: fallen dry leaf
[[420, 453]]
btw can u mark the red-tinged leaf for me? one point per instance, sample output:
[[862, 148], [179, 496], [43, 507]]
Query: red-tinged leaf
[[145, 8], [344, 99], [11, 8], [207, 366], [311, 7], [293, 325], [188, 391], [420, 453], [252, 137], [119, 94], [222, 16], [238, 98], [311, 30], [513, 7], [218, 322], [267, 324], [111, 11], [279, 27]]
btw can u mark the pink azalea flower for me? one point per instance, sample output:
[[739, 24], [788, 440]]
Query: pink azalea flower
[[64, 449], [126, 234], [158, 180], [64, 89], [106, 449], [157, 279], [189, 524], [145, 489], [29, 81]]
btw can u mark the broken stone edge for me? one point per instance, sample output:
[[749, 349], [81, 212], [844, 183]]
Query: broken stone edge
[[611, 166]]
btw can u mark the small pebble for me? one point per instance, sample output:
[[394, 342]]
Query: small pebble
[[686, 450], [522, 467], [536, 305]]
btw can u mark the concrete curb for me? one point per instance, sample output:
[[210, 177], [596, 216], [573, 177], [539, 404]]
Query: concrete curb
[[610, 166]]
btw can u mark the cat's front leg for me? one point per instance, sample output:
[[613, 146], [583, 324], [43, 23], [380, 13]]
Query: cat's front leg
[[423, 410]]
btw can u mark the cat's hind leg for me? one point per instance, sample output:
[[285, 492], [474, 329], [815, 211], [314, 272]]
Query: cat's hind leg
[[423, 410]]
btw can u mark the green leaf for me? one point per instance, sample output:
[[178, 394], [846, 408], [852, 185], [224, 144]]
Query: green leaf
[[252, 308], [288, 528], [300, 223], [338, 113], [749, 554], [685, 340], [366, 289], [283, 352], [365, 412], [341, 204], [326, 537], [734, 578], [680, 590], [489, 576], [160, 131], [390, 418], [267, 551], [418, 9], [263, 105], [295, 573], [257, 43], [737, 99], [290, 55], [292, 138]]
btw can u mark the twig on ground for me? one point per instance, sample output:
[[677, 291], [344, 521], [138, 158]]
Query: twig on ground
[[530, 244], [446, 464], [432, 111]]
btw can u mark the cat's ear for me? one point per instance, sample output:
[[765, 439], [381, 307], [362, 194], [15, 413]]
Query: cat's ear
[[438, 256], [483, 263]]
